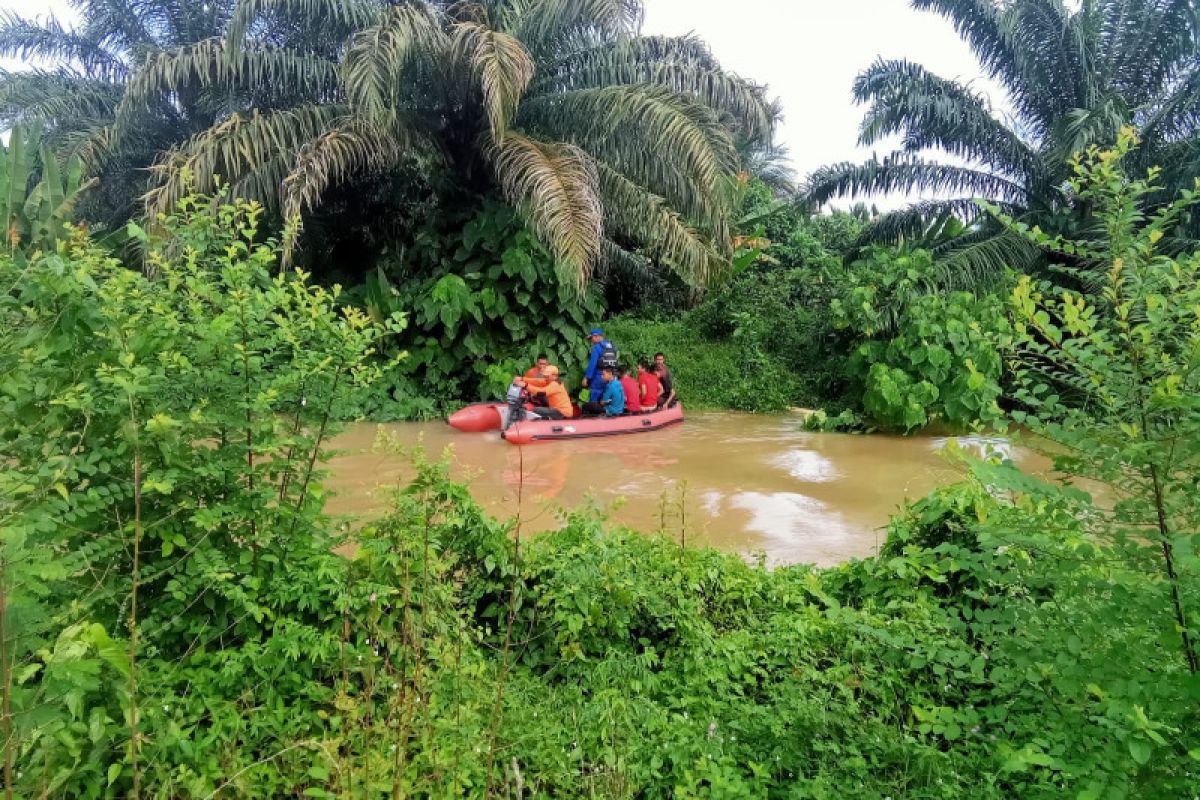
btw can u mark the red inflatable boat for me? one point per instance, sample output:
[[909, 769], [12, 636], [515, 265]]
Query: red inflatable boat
[[528, 431], [480, 417]]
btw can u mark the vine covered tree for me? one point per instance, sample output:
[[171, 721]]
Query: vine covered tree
[[1075, 74], [609, 142]]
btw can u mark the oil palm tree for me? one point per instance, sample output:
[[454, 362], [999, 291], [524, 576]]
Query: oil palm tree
[[610, 143], [1075, 73], [75, 98]]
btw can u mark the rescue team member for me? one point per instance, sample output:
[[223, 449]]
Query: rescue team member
[[648, 386], [633, 395], [550, 398], [538, 370], [603, 355], [558, 399], [612, 402]]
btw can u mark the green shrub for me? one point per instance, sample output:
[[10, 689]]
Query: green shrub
[[709, 374], [165, 559], [926, 356], [483, 299]]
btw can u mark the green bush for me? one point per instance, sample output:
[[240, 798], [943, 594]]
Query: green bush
[[483, 299], [166, 565], [926, 356], [709, 374]]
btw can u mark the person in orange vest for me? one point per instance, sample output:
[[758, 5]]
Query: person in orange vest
[[539, 367], [557, 403]]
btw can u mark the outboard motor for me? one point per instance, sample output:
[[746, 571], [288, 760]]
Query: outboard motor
[[516, 404]]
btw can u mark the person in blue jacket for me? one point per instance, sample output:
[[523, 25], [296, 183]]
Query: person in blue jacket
[[612, 402], [604, 354]]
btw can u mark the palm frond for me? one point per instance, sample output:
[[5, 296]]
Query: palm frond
[[904, 172], [117, 25], [914, 221], [1052, 49], [27, 39], [556, 185], [352, 147], [333, 19], [500, 65], [1144, 43], [57, 98], [235, 148], [374, 67], [618, 260], [670, 143], [773, 166], [978, 261], [92, 144], [626, 62], [1177, 114], [689, 50], [1080, 128], [543, 24], [988, 32], [636, 214], [211, 64], [934, 112]]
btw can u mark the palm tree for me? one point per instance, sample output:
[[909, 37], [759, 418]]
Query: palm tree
[[76, 98], [1075, 74], [610, 143]]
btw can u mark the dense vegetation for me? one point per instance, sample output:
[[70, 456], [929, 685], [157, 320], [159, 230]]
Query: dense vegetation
[[180, 618], [177, 622], [610, 143]]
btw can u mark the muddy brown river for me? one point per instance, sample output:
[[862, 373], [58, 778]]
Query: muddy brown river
[[745, 483]]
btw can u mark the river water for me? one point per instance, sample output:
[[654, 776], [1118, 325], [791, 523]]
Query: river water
[[745, 483]]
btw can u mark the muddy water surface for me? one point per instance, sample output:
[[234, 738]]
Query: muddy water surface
[[744, 483]]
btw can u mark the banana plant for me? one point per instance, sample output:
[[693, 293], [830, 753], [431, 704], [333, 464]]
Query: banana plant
[[35, 213]]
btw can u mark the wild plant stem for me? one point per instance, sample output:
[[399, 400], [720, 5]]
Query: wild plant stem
[[316, 448], [133, 603], [249, 417], [7, 679], [287, 472], [399, 765], [508, 626], [1164, 530]]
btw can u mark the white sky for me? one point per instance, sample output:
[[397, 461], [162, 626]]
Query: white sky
[[807, 51]]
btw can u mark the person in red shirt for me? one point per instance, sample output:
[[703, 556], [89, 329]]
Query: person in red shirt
[[633, 403], [649, 386]]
